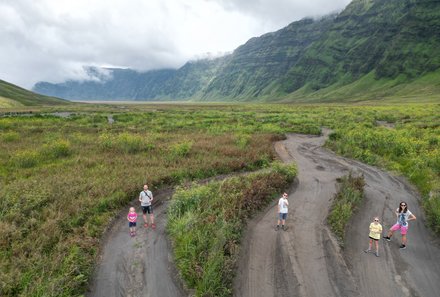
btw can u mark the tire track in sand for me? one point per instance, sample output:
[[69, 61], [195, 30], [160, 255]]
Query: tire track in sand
[[305, 260], [138, 266]]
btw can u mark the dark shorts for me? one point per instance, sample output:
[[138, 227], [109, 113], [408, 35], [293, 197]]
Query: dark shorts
[[148, 209], [373, 238], [131, 224], [283, 216]]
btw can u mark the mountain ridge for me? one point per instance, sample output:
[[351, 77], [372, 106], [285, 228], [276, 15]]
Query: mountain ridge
[[370, 43]]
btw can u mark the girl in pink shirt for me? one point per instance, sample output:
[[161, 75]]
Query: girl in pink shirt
[[132, 217]]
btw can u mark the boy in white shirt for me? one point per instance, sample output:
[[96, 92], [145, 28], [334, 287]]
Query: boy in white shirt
[[283, 205]]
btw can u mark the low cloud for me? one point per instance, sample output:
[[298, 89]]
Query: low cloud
[[52, 40]]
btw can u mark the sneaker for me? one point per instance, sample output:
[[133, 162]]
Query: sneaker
[[277, 228], [377, 254], [367, 251], [146, 225], [153, 226], [387, 238], [282, 227], [131, 234], [402, 246]]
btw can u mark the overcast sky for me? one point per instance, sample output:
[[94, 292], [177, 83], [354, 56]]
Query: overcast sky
[[51, 40]]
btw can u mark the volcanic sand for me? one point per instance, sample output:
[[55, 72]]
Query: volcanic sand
[[305, 260]]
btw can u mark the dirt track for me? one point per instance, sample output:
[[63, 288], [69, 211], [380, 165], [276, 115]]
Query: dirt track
[[305, 260], [138, 266]]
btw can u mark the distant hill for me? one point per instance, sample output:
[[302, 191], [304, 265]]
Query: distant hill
[[373, 49], [126, 84], [12, 96]]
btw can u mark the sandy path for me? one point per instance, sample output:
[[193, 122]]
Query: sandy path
[[138, 266], [306, 261]]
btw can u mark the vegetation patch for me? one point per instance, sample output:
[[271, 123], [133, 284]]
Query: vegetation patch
[[206, 222], [346, 200], [61, 183], [410, 148]]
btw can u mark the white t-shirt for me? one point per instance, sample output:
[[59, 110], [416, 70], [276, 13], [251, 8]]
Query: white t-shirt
[[402, 218], [283, 203]]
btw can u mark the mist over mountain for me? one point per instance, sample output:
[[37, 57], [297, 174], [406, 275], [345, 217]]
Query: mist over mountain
[[373, 49]]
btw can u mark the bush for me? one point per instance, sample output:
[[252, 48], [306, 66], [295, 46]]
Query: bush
[[58, 149], [26, 159], [181, 150], [10, 136], [242, 140], [349, 196], [432, 206], [290, 171], [124, 143]]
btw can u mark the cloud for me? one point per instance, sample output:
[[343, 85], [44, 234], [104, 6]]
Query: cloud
[[280, 13], [52, 40]]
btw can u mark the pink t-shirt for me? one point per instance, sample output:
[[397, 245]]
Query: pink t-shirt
[[132, 217]]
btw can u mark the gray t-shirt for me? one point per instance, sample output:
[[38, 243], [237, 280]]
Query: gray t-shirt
[[146, 197]]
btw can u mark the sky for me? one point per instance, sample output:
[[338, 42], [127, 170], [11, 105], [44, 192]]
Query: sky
[[53, 40]]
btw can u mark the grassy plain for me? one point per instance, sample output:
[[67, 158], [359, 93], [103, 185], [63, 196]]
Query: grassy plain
[[62, 179]]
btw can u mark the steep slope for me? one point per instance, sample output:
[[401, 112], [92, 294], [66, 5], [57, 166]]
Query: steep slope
[[254, 66], [192, 78], [389, 38], [12, 95]]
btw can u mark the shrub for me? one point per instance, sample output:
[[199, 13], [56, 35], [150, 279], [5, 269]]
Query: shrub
[[290, 171], [26, 159], [10, 136], [242, 140], [181, 150], [125, 143], [346, 200], [57, 149], [432, 205], [129, 143]]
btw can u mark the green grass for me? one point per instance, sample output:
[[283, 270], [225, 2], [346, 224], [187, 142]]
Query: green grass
[[8, 103], [369, 89], [62, 180], [349, 196], [13, 96], [206, 223]]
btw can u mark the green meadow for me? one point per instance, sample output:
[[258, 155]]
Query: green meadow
[[64, 177]]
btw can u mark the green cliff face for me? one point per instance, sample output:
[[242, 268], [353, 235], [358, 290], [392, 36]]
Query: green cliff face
[[388, 37], [373, 49], [255, 66]]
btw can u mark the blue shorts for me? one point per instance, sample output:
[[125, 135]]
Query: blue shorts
[[283, 216], [131, 224], [148, 209]]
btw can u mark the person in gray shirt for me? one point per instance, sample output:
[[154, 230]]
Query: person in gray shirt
[[146, 198]]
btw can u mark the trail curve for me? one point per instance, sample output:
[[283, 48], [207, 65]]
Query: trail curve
[[306, 260]]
